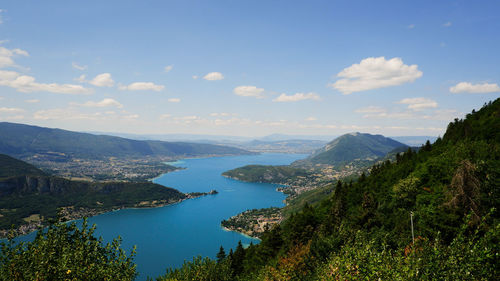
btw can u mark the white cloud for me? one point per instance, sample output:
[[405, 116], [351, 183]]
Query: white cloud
[[370, 109], [142, 86], [174, 100], [249, 91], [466, 87], [27, 84], [414, 105], [11, 110], [102, 80], [195, 77], [390, 115], [32, 101], [213, 76], [220, 114], [108, 102], [411, 26], [6, 56], [79, 67], [14, 117], [311, 118], [418, 104], [73, 114], [447, 24], [297, 97], [131, 116], [81, 79], [373, 73], [187, 118], [379, 112], [168, 68], [443, 115], [21, 52], [165, 116], [63, 114]]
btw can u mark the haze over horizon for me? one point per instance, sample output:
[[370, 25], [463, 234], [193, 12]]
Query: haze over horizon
[[247, 68]]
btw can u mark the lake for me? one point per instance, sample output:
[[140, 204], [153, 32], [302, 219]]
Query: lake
[[167, 236]]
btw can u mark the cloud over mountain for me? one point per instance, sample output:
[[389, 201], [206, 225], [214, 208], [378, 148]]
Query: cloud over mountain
[[467, 87]]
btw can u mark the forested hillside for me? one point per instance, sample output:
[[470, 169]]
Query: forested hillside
[[353, 147], [266, 173], [21, 140], [10, 167], [363, 230]]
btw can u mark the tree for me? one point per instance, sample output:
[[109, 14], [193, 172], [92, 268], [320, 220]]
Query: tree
[[221, 255], [66, 252], [237, 260], [202, 269], [465, 190], [427, 146]]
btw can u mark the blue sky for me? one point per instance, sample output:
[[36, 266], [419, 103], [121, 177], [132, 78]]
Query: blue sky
[[248, 68]]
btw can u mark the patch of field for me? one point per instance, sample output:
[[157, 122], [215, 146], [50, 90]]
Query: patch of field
[[32, 218]]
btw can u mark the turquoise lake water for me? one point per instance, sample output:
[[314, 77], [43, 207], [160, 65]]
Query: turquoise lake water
[[167, 236]]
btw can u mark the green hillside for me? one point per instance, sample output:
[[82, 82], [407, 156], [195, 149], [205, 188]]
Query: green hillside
[[21, 140], [266, 173], [12, 167], [362, 230], [352, 147]]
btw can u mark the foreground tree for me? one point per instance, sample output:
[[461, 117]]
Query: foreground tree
[[66, 252]]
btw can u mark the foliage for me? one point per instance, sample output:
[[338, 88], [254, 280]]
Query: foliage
[[66, 252], [10, 167], [202, 269], [467, 257], [266, 173], [221, 255], [310, 197], [292, 266]]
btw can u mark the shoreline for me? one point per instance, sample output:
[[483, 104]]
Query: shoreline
[[242, 233], [277, 189], [26, 229]]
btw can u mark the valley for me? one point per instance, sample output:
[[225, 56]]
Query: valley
[[102, 169], [83, 156]]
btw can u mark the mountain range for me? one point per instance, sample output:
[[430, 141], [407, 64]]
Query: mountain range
[[21, 140]]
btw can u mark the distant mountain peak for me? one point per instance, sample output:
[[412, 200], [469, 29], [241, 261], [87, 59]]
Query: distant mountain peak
[[353, 146]]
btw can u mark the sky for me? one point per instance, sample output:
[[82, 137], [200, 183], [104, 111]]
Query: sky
[[248, 68]]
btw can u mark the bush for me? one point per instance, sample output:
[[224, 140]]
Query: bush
[[201, 269]]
